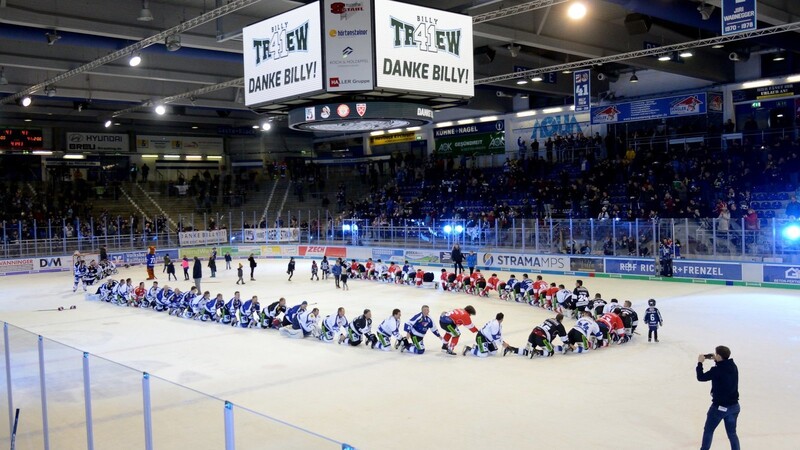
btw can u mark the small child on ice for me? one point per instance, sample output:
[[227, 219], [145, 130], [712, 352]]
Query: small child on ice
[[652, 317], [240, 274], [314, 270]]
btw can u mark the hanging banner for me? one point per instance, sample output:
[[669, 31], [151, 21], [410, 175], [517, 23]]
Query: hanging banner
[[393, 138], [97, 142], [738, 16], [189, 238], [423, 49], [211, 145], [582, 84], [485, 138], [348, 45], [283, 56], [272, 235], [654, 108]]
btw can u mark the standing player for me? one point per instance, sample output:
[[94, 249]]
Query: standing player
[[269, 316], [361, 326], [290, 268], [332, 327], [388, 328], [540, 341], [337, 273], [415, 329], [326, 269], [314, 271], [79, 270], [488, 340], [584, 335], [652, 317], [450, 321]]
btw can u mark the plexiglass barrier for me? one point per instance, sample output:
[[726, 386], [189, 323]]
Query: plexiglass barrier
[[70, 399]]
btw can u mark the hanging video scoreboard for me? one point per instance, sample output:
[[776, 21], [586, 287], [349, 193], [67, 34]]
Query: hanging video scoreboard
[[21, 139]]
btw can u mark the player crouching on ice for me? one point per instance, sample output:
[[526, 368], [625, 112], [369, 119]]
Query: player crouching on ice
[[541, 338], [209, 312], [613, 328], [450, 321], [584, 335], [304, 325], [488, 340], [269, 315], [360, 327], [333, 326], [388, 328], [249, 313], [415, 329]]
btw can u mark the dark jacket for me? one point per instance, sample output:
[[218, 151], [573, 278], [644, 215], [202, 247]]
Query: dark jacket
[[212, 264], [456, 255], [724, 379], [252, 261], [197, 269]]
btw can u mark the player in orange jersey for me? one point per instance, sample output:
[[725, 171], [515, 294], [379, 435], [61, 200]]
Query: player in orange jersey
[[450, 321]]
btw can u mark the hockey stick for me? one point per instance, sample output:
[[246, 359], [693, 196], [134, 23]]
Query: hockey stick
[[60, 308], [14, 431]]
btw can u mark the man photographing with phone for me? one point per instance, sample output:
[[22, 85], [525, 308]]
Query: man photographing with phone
[[724, 377]]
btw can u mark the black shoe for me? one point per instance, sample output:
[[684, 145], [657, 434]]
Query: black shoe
[[444, 346], [466, 349], [508, 350]]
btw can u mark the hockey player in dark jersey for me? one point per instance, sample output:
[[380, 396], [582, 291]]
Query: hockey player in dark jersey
[[540, 341], [630, 319], [269, 315], [361, 326]]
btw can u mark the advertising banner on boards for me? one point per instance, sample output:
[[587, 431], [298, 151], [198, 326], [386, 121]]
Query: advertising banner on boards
[[423, 49], [654, 108], [348, 45], [272, 235], [283, 56], [479, 138]]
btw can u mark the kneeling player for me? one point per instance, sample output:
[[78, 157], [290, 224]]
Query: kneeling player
[[305, 325], [491, 285], [585, 334], [612, 328], [450, 321], [361, 326], [540, 341], [388, 328], [415, 329], [211, 307], [488, 340], [332, 327], [269, 316]]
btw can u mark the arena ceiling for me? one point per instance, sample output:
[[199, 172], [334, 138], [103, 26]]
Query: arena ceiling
[[40, 39]]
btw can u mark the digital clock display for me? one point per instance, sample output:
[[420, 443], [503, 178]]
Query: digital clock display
[[21, 139]]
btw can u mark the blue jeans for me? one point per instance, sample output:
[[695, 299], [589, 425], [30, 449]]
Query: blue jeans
[[714, 417]]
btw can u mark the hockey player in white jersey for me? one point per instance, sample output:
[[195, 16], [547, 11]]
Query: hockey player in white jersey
[[124, 292], [488, 340], [164, 298], [386, 330], [197, 306], [107, 290], [209, 312], [150, 297], [306, 325], [249, 313], [564, 300], [408, 273], [584, 335], [229, 313], [90, 275], [78, 271], [333, 326], [382, 271]]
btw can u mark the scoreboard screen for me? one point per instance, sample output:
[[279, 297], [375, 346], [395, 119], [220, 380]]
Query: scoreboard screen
[[21, 139]]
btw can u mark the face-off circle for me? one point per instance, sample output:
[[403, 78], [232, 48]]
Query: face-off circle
[[359, 116]]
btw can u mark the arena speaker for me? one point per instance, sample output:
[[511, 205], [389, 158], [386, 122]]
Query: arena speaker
[[637, 23], [483, 55]]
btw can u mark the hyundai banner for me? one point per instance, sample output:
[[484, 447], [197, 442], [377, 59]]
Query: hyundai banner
[[655, 108]]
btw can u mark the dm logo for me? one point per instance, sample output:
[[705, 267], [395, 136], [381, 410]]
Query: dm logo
[[49, 262], [488, 259]]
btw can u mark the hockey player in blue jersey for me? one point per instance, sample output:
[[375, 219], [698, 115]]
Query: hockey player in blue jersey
[[652, 317], [415, 329], [197, 306], [209, 312], [333, 326], [509, 288], [163, 298], [305, 324], [249, 313], [183, 303], [291, 313], [584, 335], [488, 340], [389, 328], [523, 289], [107, 290], [231, 310], [408, 273]]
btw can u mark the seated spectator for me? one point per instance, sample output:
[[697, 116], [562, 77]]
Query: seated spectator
[[793, 208]]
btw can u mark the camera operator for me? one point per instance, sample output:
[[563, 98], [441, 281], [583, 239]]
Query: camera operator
[[724, 377]]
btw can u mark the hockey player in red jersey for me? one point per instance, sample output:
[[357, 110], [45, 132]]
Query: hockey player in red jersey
[[443, 283], [419, 278], [550, 296], [612, 327], [450, 321], [539, 290], [491, 285]]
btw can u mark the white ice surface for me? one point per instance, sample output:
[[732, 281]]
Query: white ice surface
[[635, 396]]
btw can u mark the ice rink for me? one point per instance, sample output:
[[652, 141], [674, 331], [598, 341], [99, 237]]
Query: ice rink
[[635, 396]]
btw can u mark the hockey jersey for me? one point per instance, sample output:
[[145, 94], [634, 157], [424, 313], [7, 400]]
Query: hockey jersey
[[550, 329], [419, 325], [652, 317], [493, 332], [588, 328], [274, 309], [613, 322], [361, 325], [390, 327], [335, 322], [460, 317]]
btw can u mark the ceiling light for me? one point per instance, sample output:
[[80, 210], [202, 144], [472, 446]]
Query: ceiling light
[[377, 133], [28, 120], [145, 15], [3, 79], [394, 130], [74, 156], [793, 79], [488, 118], [116, 124], [195, 127], [576, 11], [266, 126], [149, 156], [686, 54], [634, 78], [50, 91], [718, 46], [135, 60], [537, 78], [779, 116], [26, 101], [705, 10], [780, 56], [53, 37], [255, 127], [566, 71], [514, 50], [173, 42], [526, 113], [465, 121], [161, 110], [522, 81], [107, 124], [42, 152], [213, 157], [756, 84], [552, 110], [413, 128], [444, 124], [194, 157], [172, 156], [665, 57]]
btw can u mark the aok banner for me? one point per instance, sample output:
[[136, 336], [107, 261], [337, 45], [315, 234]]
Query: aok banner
[[423, 49], [474, 144], [283, 56]]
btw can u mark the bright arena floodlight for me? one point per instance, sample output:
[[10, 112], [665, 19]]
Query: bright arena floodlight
[[345, 227], [791, 232], [447, 229], [459, 229]]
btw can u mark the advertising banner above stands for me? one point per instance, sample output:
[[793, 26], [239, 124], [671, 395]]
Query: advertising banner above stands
[[782, 274], [190, 238], [582, 86], [423, 49], [738, 16], [272, 235], [283, 56], [484, 138], [654, 108], [98, 142], [393, 138], [211, 145], [521, 261], [766, 92], [348, 45], [524, 130]]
